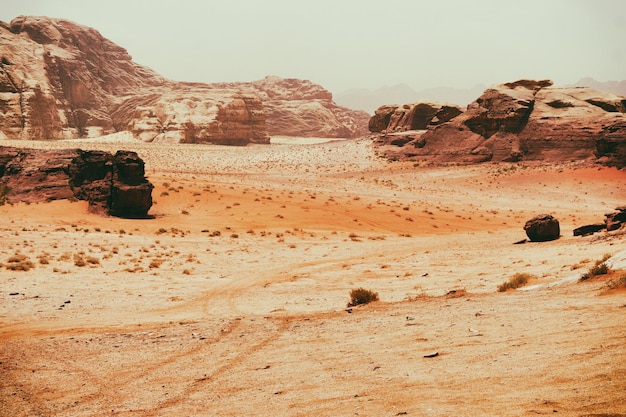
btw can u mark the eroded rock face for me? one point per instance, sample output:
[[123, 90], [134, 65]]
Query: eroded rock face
[[112, 184], [525, 120], [60, 80], [194, 114], [301, 108], [416, 116]]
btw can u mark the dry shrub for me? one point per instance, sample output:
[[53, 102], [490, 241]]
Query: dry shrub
[[79, 260], [600, 268], [362, 296], [518, 280], [19, 262], [156, 263]]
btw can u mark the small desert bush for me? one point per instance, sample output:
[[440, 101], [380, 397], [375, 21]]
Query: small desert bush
[[518, 280], [19, 262], [156, 263], [600, 268], [79, 261], [362, 296], [91, 260]]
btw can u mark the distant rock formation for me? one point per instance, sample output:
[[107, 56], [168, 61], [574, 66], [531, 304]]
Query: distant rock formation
[[112, 184], [60, 80], [369, 100], [522, 120], [301, 108], [615, 87], [416, 116]]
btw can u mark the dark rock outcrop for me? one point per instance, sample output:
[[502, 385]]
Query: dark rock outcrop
[[60, 80], [542, 228], [612, 221], [112, 184], [615, 220], [589, 229], [523, 120]]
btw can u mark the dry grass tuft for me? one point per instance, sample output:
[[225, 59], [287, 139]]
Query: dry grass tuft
[[600, 268], [19, 262], [362, 296], [518, 280]]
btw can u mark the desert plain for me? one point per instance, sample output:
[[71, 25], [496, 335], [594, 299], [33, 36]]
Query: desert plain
[[232, 300]]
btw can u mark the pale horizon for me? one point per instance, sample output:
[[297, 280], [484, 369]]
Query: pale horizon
[[349, 44]]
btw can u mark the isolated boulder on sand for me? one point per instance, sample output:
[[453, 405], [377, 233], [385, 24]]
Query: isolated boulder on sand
[[542, 228]]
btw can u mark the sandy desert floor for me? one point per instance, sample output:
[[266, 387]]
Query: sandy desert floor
[[232, 300]]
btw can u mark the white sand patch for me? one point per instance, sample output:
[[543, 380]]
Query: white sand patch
[[117, 137], [288, 140]]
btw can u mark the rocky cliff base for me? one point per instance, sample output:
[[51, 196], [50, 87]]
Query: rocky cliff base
[[519, 121], [112, 184]]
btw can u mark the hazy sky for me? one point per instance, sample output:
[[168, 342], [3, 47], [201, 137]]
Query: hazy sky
[[344, 44]]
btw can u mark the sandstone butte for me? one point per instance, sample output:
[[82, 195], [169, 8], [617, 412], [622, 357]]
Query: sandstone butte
[[111, 184], [61, 80], [524, 120]]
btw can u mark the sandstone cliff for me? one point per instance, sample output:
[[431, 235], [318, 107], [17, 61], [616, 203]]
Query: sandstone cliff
[[523, 120], [301, 108], [60, 80], [112, 184]]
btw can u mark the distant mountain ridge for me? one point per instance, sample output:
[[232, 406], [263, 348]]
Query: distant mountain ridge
[[615, 87], [370, 100]]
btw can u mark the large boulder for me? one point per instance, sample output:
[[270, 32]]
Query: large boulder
[[111, 184], [542, 228]]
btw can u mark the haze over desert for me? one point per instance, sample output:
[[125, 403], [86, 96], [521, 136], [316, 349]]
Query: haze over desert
[[229, 238]]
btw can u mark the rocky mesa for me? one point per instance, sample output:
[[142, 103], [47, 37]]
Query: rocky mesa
[[522, 120], [61, 80]]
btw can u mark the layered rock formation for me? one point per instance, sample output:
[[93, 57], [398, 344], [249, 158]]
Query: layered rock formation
[[60, 80], [301, 108], [416, 116], [112, 184], [523, 120]]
